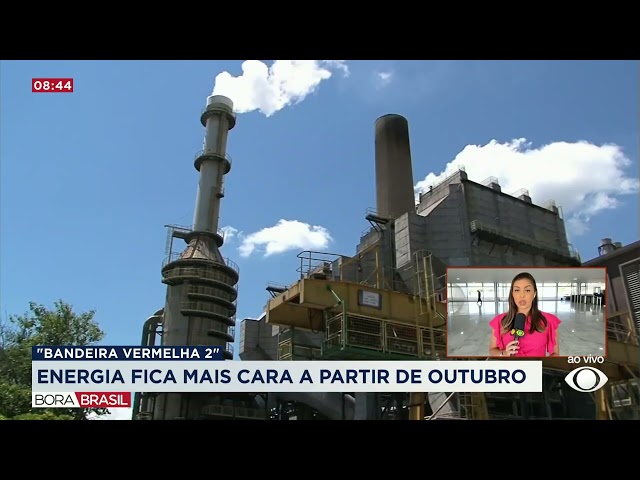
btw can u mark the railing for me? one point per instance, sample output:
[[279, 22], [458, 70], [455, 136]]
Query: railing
[[187, 229], [374, 213], [233, 265], [573, 252], [371, 211], [180, 228], [199, 273], [204, 153], [172, 257], [383, 278], [315, 262], [621, 328], [367, 231], [444, 181], [522, 191], [206, 307], [204, 291], [179, 255], [384, 337], [489, 180]]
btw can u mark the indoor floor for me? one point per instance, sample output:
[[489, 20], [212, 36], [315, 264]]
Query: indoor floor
[[582, 331]]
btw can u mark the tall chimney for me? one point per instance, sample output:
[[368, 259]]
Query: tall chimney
[[200, 305], [213, 162], [394, 172]]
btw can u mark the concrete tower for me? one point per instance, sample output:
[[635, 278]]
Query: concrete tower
[[394, 174], [201, 285]]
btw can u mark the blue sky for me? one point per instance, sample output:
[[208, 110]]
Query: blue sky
[[90, 178]]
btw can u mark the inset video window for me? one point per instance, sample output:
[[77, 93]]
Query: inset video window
[[526, 312]]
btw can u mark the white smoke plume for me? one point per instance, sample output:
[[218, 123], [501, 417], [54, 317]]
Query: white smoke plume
[[270, 89]]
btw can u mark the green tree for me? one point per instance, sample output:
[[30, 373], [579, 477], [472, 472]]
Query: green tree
[[40, 326]]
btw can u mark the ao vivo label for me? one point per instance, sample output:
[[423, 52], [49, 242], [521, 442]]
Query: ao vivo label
[[52, 85], [587, 359], [81, 399]]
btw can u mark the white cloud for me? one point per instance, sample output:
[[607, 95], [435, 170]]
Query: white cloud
[[285, 235], [229, 233], [582, 178], [383, 79], [270, 89]]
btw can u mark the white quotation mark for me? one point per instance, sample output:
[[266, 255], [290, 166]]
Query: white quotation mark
[[586, 379]]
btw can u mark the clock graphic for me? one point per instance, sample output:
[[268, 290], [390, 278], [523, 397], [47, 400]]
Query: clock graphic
[[51, 85]]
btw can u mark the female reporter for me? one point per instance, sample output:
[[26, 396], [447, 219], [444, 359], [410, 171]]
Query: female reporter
[[540, 328]]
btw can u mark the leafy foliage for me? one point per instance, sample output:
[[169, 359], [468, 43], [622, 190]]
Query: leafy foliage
[[41, 326]]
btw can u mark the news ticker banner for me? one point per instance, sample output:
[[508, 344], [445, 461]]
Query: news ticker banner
[[83, 370]]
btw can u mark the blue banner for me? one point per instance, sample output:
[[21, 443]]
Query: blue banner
[[119, 353]]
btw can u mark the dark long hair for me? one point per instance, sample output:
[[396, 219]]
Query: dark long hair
[[538, 322]]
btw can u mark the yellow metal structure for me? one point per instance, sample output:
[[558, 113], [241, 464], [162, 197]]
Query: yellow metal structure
[[367, 320], [304, 301]]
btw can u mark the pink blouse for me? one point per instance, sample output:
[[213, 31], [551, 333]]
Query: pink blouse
[[535, 344]]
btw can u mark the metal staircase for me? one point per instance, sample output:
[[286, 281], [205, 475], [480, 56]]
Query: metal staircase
[[470, 405]]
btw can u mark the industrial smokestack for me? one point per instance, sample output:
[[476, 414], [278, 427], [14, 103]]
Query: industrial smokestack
[[394, 172], [201, 285], [213, 162]]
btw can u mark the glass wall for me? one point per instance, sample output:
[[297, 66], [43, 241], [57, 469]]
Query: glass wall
[[489, 291], [548, 291], [468, 292]]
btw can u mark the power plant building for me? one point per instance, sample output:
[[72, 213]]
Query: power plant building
[[386, 301]]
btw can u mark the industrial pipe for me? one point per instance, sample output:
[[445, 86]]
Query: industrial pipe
[[344, 314], [148, 339]]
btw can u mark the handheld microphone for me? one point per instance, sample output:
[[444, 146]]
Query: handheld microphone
[[518, 326]]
